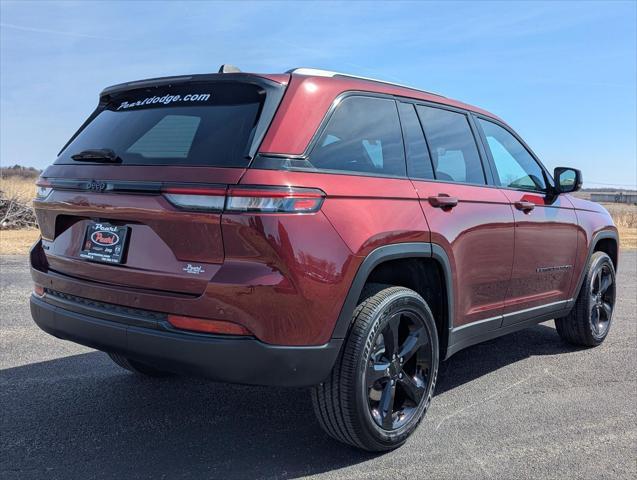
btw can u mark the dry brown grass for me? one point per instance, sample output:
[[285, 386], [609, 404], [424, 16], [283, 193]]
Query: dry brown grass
[[627, 238], [22, 188], [625, 218], [16, 242], [623, 214], [16, 207]]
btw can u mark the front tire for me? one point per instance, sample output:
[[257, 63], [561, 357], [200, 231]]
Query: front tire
[[383, 380], [589, 321]]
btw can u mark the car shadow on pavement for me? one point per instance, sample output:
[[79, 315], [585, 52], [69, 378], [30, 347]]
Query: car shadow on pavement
[[481, 359], [82, 417]]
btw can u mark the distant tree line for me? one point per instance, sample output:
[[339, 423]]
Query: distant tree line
[[19, 171]]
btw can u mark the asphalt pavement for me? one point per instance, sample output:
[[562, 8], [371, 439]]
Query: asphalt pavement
[[521, 406]]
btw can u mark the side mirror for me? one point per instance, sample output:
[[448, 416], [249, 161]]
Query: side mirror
[[567, 179]]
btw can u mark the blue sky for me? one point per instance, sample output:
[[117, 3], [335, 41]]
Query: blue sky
[[562, 74]]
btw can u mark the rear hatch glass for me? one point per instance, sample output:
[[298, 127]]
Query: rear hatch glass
[[209, 124]]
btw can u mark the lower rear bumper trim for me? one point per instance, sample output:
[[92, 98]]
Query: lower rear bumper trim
[[222, 358]]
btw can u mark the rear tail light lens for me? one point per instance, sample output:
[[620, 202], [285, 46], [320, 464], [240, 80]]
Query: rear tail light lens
[[246, 199], [210, 199], [274, 200], [38, 290], [207, 326], [42, 189]]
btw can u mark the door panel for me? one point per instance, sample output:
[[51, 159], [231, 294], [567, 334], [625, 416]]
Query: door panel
[[477, 236], [471, 221], [545, 251], [545, 225]]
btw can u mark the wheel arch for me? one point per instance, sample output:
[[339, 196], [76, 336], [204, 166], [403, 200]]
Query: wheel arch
[[384, 263], [606, 241]]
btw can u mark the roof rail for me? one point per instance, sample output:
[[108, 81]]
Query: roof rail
[[328, 73]]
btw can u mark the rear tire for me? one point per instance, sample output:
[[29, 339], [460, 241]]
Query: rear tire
[[589, 321], [383, 380], [137, 367]]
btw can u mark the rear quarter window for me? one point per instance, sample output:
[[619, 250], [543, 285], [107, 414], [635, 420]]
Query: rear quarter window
[[362, 135]]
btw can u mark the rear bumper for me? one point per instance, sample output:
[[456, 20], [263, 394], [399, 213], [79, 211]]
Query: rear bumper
[[150, 339]]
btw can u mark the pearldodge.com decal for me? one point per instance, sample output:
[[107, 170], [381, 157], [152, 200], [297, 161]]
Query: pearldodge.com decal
[[166, 99]]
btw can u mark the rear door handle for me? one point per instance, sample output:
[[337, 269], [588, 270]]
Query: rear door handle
[[442, 200], [525, 206]]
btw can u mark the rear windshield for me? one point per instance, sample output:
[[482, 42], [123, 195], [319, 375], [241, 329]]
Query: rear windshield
[[199, 124]]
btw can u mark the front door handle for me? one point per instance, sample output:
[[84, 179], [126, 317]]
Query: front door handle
[[525, 206], [444, 201]]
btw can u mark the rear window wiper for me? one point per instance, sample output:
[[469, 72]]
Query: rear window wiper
[[98, 155]]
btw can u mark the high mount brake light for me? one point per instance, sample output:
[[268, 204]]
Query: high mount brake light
[[43, 189], [257, 199]]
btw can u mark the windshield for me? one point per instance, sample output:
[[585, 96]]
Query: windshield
[[196, 124]]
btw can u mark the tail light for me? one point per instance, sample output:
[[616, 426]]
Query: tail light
[[38, 290], [42, 189], [209, 199], [274, 199], [256, 199], [207, 326]]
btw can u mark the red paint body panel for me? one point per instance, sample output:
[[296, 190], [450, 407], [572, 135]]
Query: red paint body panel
[[545, 237], [285, 277], [152, 265], [477, 236], [366, 211]]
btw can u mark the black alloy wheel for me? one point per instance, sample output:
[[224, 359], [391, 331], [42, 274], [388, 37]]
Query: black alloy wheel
[[399, 370], [383, 380], [590, 319], [602, 299]]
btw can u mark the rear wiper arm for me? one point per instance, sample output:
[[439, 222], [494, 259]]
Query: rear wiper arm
[[98, 155]]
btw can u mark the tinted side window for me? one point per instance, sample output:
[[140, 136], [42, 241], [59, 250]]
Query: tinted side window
[[363, 135], [418, 161], [453, 147], [515, 166]]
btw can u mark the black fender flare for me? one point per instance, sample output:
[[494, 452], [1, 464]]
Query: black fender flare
[[601, 235], [386, 253]]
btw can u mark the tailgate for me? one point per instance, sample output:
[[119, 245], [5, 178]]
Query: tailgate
[[166, 248]]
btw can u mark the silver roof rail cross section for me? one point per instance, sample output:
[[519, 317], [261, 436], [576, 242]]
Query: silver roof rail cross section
[[317, 72]]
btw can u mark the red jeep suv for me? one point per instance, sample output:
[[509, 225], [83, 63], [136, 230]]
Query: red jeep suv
[[311, 229]]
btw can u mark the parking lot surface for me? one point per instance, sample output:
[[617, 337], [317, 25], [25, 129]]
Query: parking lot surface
[[521, 406]]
